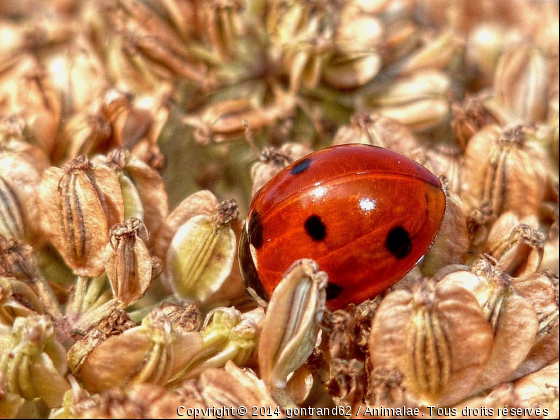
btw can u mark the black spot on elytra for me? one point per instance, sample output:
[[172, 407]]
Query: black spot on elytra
[[315, 228], [255, 230], [333, 291], [398, 242], [301, 166]]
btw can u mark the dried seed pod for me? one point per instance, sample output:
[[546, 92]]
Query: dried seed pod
[[271, 161], [228, 119], [144, 193], [201, 254], [512, 318], [19, 184], [521, 83], [230, 336], [420, 102], [292, 324], [78, 205], [10, 403], [183, 318], [83, 134], [541, 289], [452, 242], [377, 130], [470, 117], [341, 339], [501, 173], [516, 244], [347, 381], [144, 401], [112, 325], [234, 387], [436, 54], [351, 71], [77, 74], [17, 300], [539, 392], [221, 25], [16, 138], [436, 336], [33, 361], [443, 161], [155, 353], [385, 388], [199, 203], [484, 46], [128, 262], [27, 92], [551, 254]]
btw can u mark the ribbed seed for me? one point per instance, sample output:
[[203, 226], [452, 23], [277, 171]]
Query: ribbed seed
[[11, 220]]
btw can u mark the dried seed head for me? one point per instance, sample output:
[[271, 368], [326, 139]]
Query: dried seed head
[[436, 336], [222, 25], [512, 318], [201, 254], [501, 173], [155, 353], [19, 185], [377, 130], [385, 387], [521, 83], [341, 339], [292, 323], [78, 205], [128, 262], [10, 403], [33, 361], [17, 300]]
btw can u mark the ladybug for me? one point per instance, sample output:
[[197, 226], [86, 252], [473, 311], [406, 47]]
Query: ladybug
[[365, 214]]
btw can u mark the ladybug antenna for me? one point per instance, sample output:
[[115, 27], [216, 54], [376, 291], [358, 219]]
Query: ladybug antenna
[[251, 140]]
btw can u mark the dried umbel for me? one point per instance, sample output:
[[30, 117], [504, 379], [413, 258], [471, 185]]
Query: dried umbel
[[79, 203], [155, 354], [33, 361], [470, 117], [291, 326], [437, 337], [128, 262]]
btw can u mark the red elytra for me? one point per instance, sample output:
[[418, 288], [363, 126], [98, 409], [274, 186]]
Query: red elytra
[[365, 214]]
